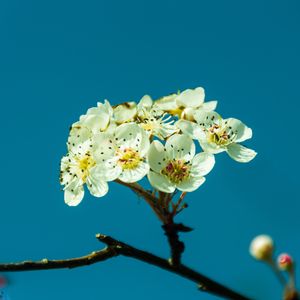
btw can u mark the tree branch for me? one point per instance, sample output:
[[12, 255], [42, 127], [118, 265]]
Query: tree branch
[[115, 248], [47, 264], [176, 245]]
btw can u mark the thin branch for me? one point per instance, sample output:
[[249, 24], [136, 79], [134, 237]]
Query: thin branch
[[115, 248], [47, 264]]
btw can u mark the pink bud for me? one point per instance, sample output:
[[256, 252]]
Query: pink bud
[[3, 282], [285, 262]]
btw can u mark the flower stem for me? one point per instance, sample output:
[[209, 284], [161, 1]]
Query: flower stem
[[277, 273]]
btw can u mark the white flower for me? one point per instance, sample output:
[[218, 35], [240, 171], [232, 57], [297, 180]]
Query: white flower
[[80, 167], [97, 119], [154, 120], [125, 112], [262, 247], [217, 135], [175, 165], [184, 104], [123, 153]]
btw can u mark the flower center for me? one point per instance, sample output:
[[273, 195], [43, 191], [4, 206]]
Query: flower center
[[84, 164], [147, 126], [176, 171], [129, 159], [218, 135]]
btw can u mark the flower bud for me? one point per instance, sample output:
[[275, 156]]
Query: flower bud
[[285, 262], [261, 247], [3, 282]]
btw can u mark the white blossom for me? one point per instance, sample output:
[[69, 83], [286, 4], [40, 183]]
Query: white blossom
[[123, 153], [97, 119], [185, 103], [80, 167], [217, 135], [113, 142], [153, 120], [175, 165]]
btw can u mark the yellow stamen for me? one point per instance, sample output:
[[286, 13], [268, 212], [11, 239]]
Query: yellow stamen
[[176, 171], [84, 165], [129, 159]]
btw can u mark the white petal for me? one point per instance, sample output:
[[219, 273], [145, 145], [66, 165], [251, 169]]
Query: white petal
[[166, 103], [131, 135], [161, 182], [79, 150], [242, 131], [96, 119], [188, 114], [143, 143], [104, 147], [209, 106], [202, 164], [206, 118], [111, 128], [191, 184], [191, 98], [128, 131], [108, 170], [240, 153], [74, 193], [106, 107], [65, 164], [180, 146], [136, 174], [97, 186], [210, 147], [145, 103], [157, 156], [125, 112], [78, 134], [191, 129]]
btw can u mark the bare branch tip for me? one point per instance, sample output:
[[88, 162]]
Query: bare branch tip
[[100, 236]]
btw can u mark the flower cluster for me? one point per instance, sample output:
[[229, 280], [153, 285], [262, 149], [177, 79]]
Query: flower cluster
[[151, 138]]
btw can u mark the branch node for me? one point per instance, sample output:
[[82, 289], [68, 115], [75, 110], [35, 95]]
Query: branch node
[[45, 260], [202, 287], [177, 246]]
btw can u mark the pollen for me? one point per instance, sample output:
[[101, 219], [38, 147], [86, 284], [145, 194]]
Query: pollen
[[148, 126], [218, 135], [84, 164], [129, 159], [177, 171]]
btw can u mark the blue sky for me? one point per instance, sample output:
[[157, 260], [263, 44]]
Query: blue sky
[[58, 58]]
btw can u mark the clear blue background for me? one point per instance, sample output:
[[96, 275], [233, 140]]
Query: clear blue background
[[58, 58]]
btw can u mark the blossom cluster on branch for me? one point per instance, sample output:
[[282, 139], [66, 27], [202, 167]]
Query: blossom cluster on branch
[[153, 138]]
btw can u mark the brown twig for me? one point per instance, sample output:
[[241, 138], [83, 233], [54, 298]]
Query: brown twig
[[116, 248], [47, 264]]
